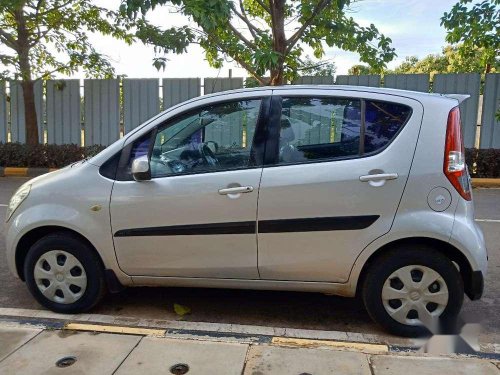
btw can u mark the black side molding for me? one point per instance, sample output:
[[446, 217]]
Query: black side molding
[[314, 224], [317, 224], [242, 227]]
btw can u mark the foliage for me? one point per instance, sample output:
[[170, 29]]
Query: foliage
[[43, 156], [53, 34], [450, 60], [360, 69], [317, 68], [483, 163], [254, 33], [476, 28]]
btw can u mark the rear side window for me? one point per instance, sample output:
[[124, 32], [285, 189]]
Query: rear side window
[[336, 128], [319, 128], [383, 120]]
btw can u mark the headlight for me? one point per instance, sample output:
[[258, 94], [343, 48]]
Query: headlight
[[18, 197]]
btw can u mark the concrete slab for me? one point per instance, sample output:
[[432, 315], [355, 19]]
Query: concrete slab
[[95, 353], [273, 360], [13, 338], [157, 355], [393, 365]]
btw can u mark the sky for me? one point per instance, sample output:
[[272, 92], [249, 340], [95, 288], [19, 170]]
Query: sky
[[413, 26]]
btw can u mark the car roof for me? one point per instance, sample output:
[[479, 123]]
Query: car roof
[[380, 90]]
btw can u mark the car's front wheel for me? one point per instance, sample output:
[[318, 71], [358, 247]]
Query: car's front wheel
[[412, 290], [64, 273]]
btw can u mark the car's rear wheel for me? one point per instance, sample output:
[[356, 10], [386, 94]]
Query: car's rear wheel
[[413, 290], [64, 273]]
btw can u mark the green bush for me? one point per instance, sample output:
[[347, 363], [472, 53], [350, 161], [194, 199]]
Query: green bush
[[43, 156], [481, 163]]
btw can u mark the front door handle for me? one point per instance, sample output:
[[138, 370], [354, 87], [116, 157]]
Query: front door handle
[[236, 190], [378, 177]]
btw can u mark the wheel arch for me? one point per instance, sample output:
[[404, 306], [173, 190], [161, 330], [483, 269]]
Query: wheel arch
[[445, 248], [32, 236]]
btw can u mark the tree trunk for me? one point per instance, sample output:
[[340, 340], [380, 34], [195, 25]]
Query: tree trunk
[[23, 51], [279, 41], [30, 112]]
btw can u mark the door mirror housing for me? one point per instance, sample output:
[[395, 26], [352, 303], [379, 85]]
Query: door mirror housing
[[141, 170]]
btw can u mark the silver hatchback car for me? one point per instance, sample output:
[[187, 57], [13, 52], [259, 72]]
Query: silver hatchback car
[[333, 189]]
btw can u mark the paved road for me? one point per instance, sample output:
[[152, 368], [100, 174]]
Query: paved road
[[277, 309]]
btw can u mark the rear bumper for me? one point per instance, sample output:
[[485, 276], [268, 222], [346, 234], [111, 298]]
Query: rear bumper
[[475, 287]]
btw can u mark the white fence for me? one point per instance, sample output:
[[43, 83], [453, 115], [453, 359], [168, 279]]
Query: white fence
[[101, 111]]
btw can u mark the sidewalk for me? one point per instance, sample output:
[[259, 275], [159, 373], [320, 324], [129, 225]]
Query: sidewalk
[[31, 350]]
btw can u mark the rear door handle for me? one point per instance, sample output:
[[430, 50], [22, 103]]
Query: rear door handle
[[236, 190], [378, 177]]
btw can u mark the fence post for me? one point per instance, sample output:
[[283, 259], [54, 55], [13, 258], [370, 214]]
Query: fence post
[[3, 113], [314, 80], [212, 85], [17, 118], [63, 112], [102, 111], [371, 80], [177, 90], [490, 126], [415, 82], [141, 101], [463, 83]]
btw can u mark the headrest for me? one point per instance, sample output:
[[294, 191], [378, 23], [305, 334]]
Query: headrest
[[286, 134]]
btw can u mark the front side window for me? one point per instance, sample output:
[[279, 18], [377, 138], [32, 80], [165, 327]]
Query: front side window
[[212, 138], [326, 128]]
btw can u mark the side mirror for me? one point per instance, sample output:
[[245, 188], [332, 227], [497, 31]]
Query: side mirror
[[140, 168]]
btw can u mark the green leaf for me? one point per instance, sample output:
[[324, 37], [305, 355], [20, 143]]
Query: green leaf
[[246, 33]]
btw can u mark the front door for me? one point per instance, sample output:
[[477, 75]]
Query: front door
[[338, 175], [196, 217]]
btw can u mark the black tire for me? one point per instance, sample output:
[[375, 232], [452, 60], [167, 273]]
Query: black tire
[[86, 255], [397, 258]]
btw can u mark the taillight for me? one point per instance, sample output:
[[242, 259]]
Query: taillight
[[455, 168]]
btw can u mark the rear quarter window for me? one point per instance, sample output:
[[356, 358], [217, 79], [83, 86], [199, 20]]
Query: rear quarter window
[[383, 121]]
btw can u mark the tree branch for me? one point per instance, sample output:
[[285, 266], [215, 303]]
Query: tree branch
[[8, 40], [60, 6], [266, 8], [248, 43], [244, 64], [253, 29], [246, 20], [250, 70], [322, 4]]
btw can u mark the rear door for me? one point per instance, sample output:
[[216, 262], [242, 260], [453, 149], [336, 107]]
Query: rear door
[[334, 179]]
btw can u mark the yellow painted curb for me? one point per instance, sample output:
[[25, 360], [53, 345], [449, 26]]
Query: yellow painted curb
[[115, 329], [340, 345], [53, 169], [486, 182], [15, 172]]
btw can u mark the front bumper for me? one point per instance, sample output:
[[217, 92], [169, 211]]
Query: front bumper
[[11, 239]]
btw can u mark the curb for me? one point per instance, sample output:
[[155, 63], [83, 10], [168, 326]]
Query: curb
[[486, 182], [33, 172], [233, 337], [24, 172], [225, 332]]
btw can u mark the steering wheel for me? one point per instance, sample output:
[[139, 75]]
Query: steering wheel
[[207, 154]]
